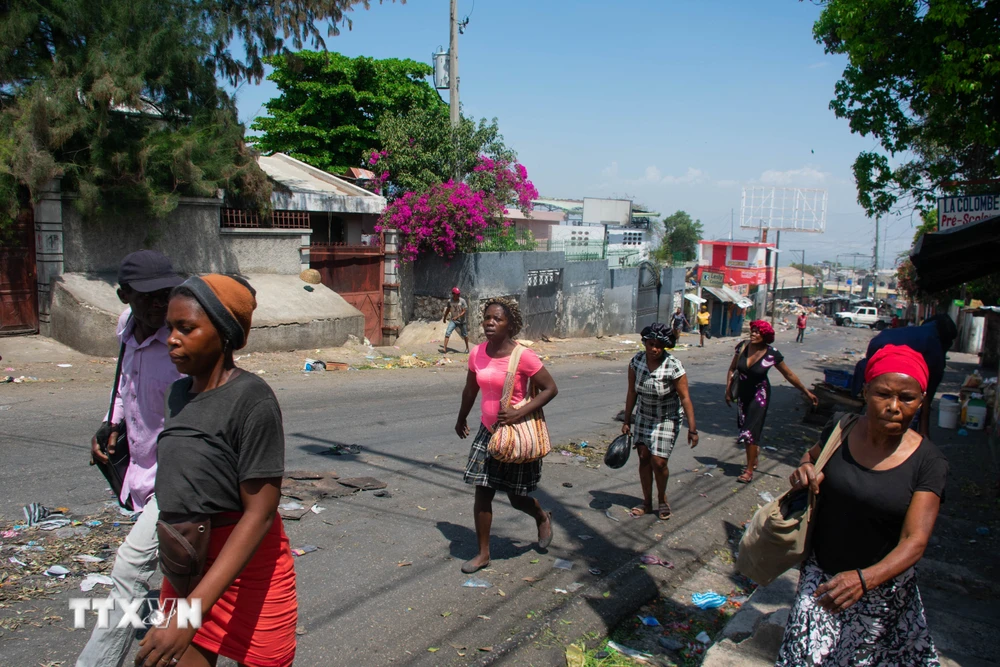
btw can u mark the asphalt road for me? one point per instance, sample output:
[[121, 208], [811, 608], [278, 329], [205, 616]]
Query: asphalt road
[[357, 605]]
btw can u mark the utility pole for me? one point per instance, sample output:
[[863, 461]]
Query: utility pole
[[875, 263], [774, 298], [455, 107], [453, 67]]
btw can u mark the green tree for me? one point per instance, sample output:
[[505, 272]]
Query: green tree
[[680, 238], [330, 105], [420, 149], [923, 79], [121, 98]]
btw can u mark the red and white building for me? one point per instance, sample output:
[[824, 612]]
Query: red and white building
[[740, 262]]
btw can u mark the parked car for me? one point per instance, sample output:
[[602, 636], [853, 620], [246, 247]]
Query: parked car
[[866, 315]]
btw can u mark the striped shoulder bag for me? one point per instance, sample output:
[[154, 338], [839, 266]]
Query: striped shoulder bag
[[527, 439]]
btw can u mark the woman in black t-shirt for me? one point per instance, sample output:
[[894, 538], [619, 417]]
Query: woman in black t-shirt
[[222, 454], [878, 498]]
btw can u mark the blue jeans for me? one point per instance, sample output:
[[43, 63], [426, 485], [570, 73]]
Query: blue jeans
[[134, 567], [454, 324]]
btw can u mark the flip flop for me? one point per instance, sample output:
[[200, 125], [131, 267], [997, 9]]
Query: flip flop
[[544, 544], [663, 512], [468, 568], [640, 510], [746, 477]]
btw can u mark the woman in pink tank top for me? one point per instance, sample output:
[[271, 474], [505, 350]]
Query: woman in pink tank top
[[487, 372]]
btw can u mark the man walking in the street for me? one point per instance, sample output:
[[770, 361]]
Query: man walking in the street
[[458, 308], [678, 322], [704, 320], [800, 324], [145, 279]]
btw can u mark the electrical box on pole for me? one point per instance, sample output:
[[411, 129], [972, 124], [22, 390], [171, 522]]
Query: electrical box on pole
[[442, 75]]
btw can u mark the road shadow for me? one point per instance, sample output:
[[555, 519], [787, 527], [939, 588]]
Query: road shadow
[[462, 543], [604, 500], [728, 469]]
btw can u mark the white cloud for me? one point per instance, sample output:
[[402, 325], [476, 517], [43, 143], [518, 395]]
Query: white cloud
[[726, 183], [690, 177], [804, 177], [611, 171], [653, 174], [819, 65]]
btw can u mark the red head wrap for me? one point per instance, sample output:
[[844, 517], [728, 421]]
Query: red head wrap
[[765, 329], [898, 359]]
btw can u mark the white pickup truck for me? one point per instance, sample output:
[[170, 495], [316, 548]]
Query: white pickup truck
[[866, 315]]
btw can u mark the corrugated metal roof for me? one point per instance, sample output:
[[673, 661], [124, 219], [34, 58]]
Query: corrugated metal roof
[[740, 300], [718, 294]]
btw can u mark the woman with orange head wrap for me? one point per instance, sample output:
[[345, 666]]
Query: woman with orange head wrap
[[221, 459]]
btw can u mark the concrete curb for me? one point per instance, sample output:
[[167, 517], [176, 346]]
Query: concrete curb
[[588, 611]]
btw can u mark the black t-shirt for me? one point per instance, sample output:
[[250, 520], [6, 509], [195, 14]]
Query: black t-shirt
[[213, 441], [860, 512]]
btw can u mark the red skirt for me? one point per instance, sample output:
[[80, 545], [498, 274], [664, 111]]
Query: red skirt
[[254, 621]]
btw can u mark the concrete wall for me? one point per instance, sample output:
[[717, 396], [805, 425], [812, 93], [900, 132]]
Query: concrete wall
[[190, 235], [81, 261], [592, 299], [582, 311], [86, 309]]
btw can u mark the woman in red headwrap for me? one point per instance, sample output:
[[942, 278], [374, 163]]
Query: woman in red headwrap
[[751, 362], [877, 500]]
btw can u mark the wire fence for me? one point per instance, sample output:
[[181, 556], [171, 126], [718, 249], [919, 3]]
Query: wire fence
[[507, 239]]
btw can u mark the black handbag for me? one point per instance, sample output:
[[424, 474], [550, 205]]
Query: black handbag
[[114, 470], [618, 451]]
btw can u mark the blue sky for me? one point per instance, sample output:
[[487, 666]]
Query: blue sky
[[676, 104]]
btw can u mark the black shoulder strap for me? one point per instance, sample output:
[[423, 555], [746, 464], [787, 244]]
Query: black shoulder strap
[[118, 372]]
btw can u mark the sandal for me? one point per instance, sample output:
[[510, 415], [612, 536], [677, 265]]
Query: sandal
[[468, 567], [663, 512], [640, 510], [746, 477], [543, 543]]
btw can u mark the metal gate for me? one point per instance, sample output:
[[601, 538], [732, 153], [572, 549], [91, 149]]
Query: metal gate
[[647, 304], [18, 289], [354, 272], [541, 302]]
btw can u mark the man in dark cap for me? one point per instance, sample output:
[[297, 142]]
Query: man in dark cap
[[145, 279]]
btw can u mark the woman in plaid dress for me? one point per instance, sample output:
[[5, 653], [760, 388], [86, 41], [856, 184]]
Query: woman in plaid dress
[[658, 385], [487, 371]]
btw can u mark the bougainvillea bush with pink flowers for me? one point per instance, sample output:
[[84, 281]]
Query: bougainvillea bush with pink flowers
[[456, 217]]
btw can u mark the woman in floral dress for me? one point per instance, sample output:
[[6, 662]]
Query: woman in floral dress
[[877, 499], [752, 362]]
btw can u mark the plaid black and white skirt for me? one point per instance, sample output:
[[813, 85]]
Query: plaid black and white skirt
[[482, 470]]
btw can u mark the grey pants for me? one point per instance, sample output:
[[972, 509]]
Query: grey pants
[[134, 567]]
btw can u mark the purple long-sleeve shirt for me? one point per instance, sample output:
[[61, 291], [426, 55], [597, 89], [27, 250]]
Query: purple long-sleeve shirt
[[147, 374]]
